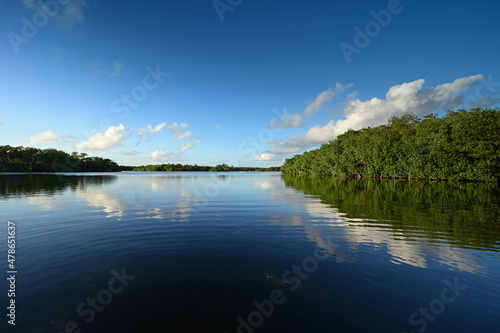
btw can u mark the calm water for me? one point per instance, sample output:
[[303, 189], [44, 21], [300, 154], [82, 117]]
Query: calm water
[[251, 252]]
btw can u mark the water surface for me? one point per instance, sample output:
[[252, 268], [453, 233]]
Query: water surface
[[371, 255]]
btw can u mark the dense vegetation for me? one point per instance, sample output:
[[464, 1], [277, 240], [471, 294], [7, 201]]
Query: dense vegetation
[[465, 214], [187, 167], [27, 159], [461, 145]]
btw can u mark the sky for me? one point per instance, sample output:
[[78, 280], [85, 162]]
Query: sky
[[247, 83]]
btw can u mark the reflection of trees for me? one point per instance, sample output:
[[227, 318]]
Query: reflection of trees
[[48, 184], [462, 213]]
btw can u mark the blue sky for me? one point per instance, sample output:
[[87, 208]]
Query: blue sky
[[248, 83]]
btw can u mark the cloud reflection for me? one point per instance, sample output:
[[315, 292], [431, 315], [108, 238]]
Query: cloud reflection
[[108, 202], [44, 203], [401, 246]]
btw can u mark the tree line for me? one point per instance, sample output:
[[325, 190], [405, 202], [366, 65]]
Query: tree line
[[188, 167], [28, 159], [462, 145]]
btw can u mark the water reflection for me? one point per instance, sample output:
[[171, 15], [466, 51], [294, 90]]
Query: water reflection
[[48, 192], [194, 238], [465, 215], [20, 185], [397, 218], [46, 203], [412, 223], [109, 203], [178, 210]]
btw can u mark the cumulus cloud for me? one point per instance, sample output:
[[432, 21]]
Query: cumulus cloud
[[190, 144], [131, 153], [400, 99], [265, 157], [157, 129], [46, 137], [183, 135], [287, 120], [110, 139], [296, 144], [323, 98], [165, 155], [180, 130]]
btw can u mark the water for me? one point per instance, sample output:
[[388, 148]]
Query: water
[[224, 252]]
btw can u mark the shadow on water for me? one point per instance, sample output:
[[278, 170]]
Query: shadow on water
[[18, 185], [464, 214]]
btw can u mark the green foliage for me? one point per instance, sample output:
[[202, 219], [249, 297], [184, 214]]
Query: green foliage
[[27, 159], [172, 167], [466, 214], [220, 167], [462, 145], [187, 167]]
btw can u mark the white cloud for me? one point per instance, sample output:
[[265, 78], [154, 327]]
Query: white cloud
[[323, 98], [158, 128], [131, 153], [293, 145], [46, 137], [352, 95], [400, 99], [112, 137], [265, 157], [1, 122], [142, 132], [190, 144], [183, 135], [166, 155], [180, 130], [286, 121]]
